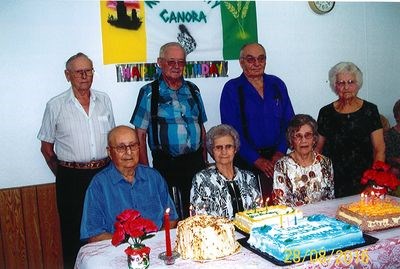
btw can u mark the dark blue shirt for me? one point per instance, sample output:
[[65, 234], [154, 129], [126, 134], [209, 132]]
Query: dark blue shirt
[[266, 118], [109, 194]]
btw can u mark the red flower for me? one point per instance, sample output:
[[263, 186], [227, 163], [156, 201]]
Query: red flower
[[128, 214], [130, 225], [119, 234], [379, 175]]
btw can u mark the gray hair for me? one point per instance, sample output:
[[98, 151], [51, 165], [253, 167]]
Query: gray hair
[[220, 131], [345, 67], [168, 45], [73, 57], [248, 44], [296, 123], [396, 111]]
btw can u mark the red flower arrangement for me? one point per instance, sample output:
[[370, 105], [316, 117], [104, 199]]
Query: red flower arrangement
[[379, 175], [131, 228]]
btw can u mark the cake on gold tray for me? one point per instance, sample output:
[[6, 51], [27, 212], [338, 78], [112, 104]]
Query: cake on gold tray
[[371, 214], [204, 237]]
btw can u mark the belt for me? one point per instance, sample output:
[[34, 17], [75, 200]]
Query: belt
[[90, 165]]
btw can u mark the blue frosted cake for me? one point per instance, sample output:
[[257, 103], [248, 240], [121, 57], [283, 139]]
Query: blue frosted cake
[[313, 233]]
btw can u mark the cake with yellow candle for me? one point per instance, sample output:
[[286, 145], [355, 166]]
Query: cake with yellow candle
[[204, 237], [278, 214], [371, 214]]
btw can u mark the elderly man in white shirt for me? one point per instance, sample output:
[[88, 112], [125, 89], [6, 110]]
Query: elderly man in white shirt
[[73, 142]]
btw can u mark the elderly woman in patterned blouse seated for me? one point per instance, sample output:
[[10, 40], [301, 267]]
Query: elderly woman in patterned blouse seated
[[303, 176], [223, 189]]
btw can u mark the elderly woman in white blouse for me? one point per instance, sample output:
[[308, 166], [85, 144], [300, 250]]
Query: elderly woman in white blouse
[[223, 189], [302, 176]]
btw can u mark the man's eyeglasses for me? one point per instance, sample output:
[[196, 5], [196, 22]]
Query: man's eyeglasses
[[252, 60], [306, 136], [173, 63], [224, 147], [124, 148], [83, 73], [342, 83]]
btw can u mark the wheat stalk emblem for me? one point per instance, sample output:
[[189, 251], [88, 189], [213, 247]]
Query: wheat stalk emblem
[[239, 13]]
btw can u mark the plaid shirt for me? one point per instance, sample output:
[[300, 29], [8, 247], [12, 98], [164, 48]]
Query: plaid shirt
[[179, 130]]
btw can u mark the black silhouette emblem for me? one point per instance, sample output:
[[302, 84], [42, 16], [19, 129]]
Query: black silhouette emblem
[[123, 20], [186, 39]]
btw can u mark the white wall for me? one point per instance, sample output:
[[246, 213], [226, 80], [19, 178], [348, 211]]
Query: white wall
[[38, 36]]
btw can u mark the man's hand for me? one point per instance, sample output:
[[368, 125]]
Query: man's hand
[[266, 166]]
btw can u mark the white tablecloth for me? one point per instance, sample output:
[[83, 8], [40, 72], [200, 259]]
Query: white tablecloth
[[383, 254]]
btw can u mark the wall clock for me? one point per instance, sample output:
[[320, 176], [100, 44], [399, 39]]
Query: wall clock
[[321, 7]]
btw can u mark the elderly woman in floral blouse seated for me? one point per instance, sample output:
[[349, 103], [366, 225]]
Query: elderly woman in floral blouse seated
[[303, 176], [223, 189]]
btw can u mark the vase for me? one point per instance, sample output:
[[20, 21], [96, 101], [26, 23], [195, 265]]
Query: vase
[[379, 191], [139, 258]]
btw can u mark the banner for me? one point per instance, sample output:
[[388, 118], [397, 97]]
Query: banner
[[150, 71], [134, 31]]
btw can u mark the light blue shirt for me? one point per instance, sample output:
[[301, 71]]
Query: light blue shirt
[[109, 194]]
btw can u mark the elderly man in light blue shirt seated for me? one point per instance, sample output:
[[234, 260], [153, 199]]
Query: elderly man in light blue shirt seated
[[124, 184]]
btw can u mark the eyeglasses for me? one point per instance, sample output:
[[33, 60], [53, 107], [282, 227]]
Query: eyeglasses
[[342, 83], [306, 136], [252, 60], [83, 73], [124, 148], [173, 63], [224, 147]]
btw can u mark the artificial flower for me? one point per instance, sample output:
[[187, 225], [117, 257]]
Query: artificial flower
[[131, 228], [380, 175]]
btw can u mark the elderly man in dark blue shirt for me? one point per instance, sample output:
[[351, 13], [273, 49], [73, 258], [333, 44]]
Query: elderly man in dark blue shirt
[[124, 184], [257, 105]]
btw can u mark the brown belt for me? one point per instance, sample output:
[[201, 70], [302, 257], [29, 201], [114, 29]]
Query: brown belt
[[90, 165]]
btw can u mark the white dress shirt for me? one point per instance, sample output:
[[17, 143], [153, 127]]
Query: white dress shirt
[[78, 136]]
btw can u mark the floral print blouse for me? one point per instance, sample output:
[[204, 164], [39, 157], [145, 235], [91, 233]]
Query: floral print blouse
[[295, 185], [210, 194]]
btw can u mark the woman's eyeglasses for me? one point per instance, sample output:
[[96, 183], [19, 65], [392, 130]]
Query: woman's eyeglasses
[[224, 147], [306, 136]]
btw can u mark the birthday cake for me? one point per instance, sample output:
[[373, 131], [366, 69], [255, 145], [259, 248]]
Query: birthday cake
[[313, 233], [203, 237], [257, 217], [376, 214]]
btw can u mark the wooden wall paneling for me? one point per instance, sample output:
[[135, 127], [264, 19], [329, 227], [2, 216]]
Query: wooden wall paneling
[[2, 258], [12, 224], [49, 226], [32, 229]]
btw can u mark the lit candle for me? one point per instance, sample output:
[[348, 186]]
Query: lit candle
[[167, 233], [256, 204], [373, 197], [190, 210], [280, 220]]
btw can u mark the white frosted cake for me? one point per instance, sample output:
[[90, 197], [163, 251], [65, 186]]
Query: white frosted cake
[[205, 237], [257, 217], [316, 232]]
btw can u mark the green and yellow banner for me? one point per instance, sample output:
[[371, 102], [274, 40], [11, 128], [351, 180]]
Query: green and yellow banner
[[134, 31]]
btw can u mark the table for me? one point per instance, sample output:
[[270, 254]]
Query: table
[[383, 254]]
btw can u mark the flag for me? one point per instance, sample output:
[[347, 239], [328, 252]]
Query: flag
[[134, 31]]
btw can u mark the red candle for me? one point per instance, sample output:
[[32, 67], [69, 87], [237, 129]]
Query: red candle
[[167, 234]]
